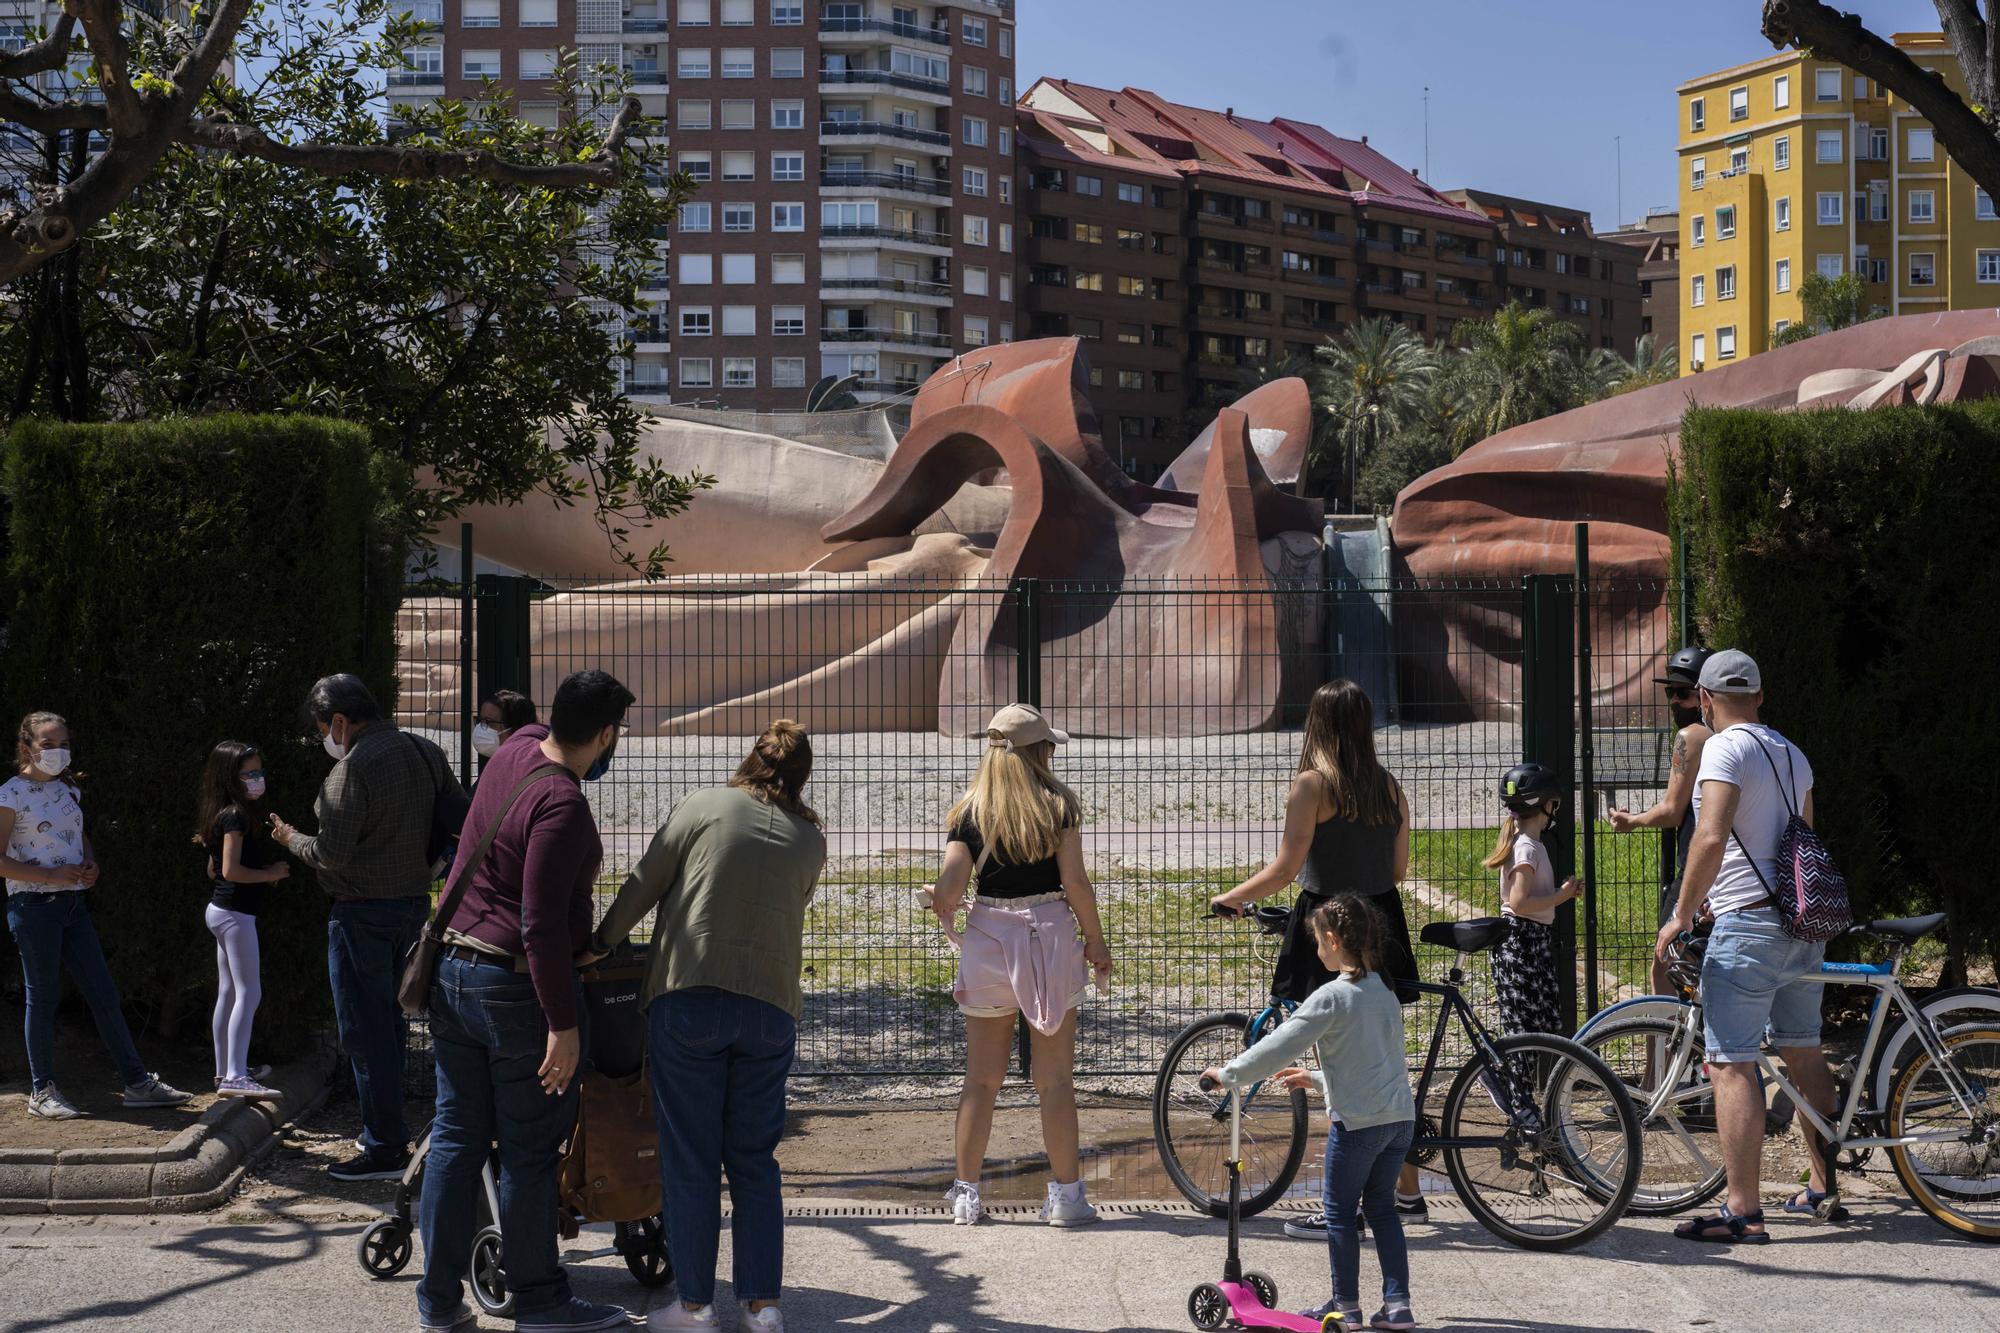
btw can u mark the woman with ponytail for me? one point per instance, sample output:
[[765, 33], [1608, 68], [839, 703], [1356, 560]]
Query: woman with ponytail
[[727, 881]]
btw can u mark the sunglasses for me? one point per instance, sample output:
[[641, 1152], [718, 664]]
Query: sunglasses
[[1679, 694]]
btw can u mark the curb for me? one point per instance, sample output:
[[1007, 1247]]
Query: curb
[[199, 1168]]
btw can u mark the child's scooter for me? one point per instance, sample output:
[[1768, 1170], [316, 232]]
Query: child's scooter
[[1245, 1300]]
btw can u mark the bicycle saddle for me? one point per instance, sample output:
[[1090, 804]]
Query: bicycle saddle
[[1464, 936], [1902, 928]]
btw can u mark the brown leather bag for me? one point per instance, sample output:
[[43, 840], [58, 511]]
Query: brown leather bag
[[611, 1172]]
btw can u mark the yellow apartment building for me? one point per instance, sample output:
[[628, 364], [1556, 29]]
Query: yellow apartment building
[[1791, 165]]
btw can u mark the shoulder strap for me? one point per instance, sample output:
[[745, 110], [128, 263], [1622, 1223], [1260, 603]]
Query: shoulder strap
[[437, 783], [979, 864], [1790, 799], [448, 905]]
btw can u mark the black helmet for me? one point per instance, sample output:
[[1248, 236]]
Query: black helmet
[[1684, 667], [1525, 786]]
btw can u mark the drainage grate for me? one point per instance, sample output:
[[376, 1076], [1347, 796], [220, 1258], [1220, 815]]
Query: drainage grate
[[879, 1211]]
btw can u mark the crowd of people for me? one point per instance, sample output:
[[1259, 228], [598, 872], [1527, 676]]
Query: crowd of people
[[727, 881]]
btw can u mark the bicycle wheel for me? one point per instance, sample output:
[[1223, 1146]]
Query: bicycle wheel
[[1549, 1176], [1682, 1150], [1958, 1181], [1947, 1009], [1191, 1127]]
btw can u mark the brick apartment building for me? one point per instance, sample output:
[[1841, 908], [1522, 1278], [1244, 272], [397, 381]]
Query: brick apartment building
[[1656, 241], [1548, 257], [1194, 249]]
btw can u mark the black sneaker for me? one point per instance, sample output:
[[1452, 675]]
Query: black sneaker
[[371, 1166], [1313, 1226], [1416, 1207]]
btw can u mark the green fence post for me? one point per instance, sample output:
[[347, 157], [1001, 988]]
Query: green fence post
[[1586, 808], [1548, 736], [504, 600], [468, 613], [1028, 641]]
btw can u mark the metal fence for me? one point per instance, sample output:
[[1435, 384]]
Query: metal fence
[[1468, 678]]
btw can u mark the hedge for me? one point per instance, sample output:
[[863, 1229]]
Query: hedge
[[1852, 554], [174, 584]]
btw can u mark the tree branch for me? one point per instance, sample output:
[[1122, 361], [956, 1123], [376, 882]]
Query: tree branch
[[104, 30], [49, 53], [47, 117], [1967, 33], [1968, 136]]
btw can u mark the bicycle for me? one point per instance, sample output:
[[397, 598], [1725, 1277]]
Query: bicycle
[[1939, 1118], [1545, 1174]]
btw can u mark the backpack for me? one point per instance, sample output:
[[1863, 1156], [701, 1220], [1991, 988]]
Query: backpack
[[1811, 893]]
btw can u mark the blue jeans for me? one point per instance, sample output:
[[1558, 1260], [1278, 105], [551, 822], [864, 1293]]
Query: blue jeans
[[365, 944], [719, 1062], [1750, 987], [490, 1036], [53, 931], [1361, 1168]]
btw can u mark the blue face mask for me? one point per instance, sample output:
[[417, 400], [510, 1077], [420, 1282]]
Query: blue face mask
[[601, 765]]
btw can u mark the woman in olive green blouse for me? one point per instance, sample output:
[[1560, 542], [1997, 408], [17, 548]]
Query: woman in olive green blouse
[[727, 880]]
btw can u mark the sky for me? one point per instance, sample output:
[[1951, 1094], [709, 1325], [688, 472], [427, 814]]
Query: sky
[[1534, 98]]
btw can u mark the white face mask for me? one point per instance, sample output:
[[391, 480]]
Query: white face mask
[[254, 788], [52, 762], [332, 746], [485, 740]]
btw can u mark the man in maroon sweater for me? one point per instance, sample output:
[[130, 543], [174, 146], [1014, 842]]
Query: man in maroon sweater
[[504, 1012]]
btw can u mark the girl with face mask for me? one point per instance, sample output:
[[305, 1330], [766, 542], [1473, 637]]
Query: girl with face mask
[[230, 826], [501, 714]]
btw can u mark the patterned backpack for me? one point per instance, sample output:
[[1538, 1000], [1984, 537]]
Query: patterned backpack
[[1811, 893]]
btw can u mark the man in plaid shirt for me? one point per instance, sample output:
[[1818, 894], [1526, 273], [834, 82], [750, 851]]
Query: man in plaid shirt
[[374, 812]]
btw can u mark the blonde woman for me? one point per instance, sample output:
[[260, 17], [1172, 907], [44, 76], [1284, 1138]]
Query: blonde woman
[[1015, 834]]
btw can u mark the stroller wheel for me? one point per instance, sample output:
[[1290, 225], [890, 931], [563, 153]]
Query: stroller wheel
[[1208, 1307], [489, 1280], [646, 1253], [384, 1249]]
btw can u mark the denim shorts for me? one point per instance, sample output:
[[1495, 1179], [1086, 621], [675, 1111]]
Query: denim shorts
[[1750, 990]]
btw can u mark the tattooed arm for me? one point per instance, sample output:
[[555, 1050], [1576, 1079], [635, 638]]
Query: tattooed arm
[[1673, 806]]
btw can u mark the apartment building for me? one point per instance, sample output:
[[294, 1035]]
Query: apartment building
[[1548, 257], [1195, 251], [1655, 242], [22, 23], [1793, 165], [855, 208]]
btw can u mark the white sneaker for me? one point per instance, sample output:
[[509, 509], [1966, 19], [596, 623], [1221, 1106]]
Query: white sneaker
[[675, 1314], [52, 1105], [258, 1073], [150, 1091], [1067, 1209], [965, 1206], [766, 1320]]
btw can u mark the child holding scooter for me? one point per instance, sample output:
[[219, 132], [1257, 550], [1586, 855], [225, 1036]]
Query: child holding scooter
[[1357, 1026]]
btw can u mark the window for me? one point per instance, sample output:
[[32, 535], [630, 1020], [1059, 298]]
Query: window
[[1829, 209], [1781, 91], [1698, 114], [739, 217], [1697, 230], [479, 14], [738, 13], [1133, 334], [1089, 282], [690, 114], [426, 60], [698, 166], [1982, 205], [1007, 42], [694, 13], [693, 217], [538, 64], [974, 182], [1781, 326], [973, 131], [1781, 153], [787, 62], [1006, 189], [788, 217], [788, 372], [538, 13], [1781, 212], [975, 281], [788, 115], [975, 330], [1987, 266], [1878, 202], [1133, 380], [739, 372], [697, 372], [788, 321], [1739, 104], [697, 321], [1878, 145], [1562, 260], [1923, 145], [975, 231], [1878, 270], [692, 62], [1860, 87], [1783, 278], [788, 270], [975, 81], [1128, 193], [1739, 161], [1923, 270], [1826, 85], [1698, 173], [1006, 91], [1827, 145], [1129, 286], [974, 31], [859, 213], [1698, 290], [1006, 287], [739, 270], [1725, 343], [1006, 238], [916, 64], [1830, 266], [740, 166], [1923, 206], [1725, 226], [740, 62], [1090, 186], [739, 321], [788, 166], [480, 64], [1697, 350], [788, 13], [1725, 283], [1005, 144], [1087, 233], [697, 270], [739, 114]]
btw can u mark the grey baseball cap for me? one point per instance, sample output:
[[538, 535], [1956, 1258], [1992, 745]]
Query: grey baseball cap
[[1731, 672]]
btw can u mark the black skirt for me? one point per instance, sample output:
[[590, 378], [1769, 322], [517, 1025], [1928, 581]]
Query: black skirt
[[1299, 971]]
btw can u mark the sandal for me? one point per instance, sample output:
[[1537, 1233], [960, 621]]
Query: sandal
[[1700, 1228], [1808, 1201]]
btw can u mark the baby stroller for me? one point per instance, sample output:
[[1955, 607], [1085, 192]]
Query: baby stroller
[[610, 1172]]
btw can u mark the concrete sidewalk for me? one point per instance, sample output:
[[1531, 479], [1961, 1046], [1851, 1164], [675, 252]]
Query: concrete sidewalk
[[895, 1270]]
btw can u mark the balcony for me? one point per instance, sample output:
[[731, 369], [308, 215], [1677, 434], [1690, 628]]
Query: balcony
[[1322, 323], [416, 78], [430, 13], [835, 29], [901, 337], [1320, 234], [643, 25], [1236, 312], [882, 129], [1385, 247], [1318, 279], [838, 79], [902, 235], [647, 74], [885, 180], [846, 287]]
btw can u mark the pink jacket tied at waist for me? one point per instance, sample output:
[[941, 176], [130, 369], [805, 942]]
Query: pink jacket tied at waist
[[1022, 957]]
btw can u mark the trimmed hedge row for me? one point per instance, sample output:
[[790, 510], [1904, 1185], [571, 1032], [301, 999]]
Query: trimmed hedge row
[[171, 585], [1853, 555]]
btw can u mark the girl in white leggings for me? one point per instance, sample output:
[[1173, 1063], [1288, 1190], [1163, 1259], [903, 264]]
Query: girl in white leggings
[[241, 862]]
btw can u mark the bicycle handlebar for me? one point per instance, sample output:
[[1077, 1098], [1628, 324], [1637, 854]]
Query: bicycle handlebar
[[1208, 1084]]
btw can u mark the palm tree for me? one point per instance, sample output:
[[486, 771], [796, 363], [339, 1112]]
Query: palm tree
[[1370, 384], [1650, 364], [1520, 365], [1597, 371]]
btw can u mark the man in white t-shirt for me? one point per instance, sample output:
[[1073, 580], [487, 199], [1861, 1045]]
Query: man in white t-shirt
[[1750, 783]]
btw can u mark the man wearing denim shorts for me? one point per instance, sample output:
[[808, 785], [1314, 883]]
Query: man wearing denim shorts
[[1750, 780]]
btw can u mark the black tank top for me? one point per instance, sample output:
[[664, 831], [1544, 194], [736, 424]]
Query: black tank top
[[1346, 857]]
